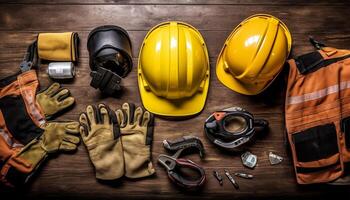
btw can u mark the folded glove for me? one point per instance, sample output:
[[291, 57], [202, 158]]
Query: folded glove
[[101, 136], [58, 46], [57, 136], [54, 99], [136, 127]]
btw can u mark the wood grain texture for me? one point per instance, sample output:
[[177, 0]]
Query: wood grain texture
[[181, 2], [72, 176]]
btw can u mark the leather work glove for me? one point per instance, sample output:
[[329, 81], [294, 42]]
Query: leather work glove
[[54, 100], [136, 128], [101, 136], [57, 136]]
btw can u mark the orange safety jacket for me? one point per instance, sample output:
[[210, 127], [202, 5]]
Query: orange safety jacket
[[20, 120], [317, 115]]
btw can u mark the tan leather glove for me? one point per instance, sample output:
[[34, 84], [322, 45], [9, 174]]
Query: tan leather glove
[[54, 99], [57, 136], [136, 127], [102, 140]]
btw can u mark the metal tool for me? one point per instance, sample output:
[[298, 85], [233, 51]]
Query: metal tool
[[275, 159], [61, 70], [317, 44], [218, 130], [249, 160], [244, 175], [184, 143], [232, 180], [173, 163], [30, 57], [218, 177]]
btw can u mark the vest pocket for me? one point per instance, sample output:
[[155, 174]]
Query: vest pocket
[[345, 127], [316, 143], [316, 154]]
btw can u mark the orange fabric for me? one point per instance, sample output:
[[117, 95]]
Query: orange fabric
[[4, 132], [331, 174], [26, 78], [320, 163], [5, 150], [20, 165], [318, 98], [26, 85], [25, 82]]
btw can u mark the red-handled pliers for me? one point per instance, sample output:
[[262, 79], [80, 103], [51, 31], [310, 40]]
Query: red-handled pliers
[[173, 163]]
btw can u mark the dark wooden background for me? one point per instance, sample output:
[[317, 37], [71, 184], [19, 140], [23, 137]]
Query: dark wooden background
[[72, 176]]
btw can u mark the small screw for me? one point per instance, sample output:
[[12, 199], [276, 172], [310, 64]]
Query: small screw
[[218, 177]]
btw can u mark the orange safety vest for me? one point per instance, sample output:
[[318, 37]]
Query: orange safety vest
[[317, 115], [20, 121]]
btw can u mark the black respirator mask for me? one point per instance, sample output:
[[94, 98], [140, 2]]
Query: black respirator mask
[[233, 127], [110, 58]]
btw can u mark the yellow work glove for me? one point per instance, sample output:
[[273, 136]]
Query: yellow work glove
[[54, 100], [102, 139], [57, 136], [136, 127]]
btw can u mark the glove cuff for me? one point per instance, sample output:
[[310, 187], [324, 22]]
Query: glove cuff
[[108, 160], [33, 153], [22, 164], [138, 161], [16, 171]]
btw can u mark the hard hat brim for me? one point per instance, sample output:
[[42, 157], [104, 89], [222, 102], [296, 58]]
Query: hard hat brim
[[174, 108], [234, 84]]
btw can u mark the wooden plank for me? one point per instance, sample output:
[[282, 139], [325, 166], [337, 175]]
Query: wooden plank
[[299, 19], [72, 176], [81, 90], [180, 2], [13, 50]]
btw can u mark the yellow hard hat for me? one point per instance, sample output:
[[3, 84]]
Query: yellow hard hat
[[254, 54], [173, 70]]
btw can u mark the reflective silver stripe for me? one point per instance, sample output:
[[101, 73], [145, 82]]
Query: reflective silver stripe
[[32, 108], [8, 139], [318, 94], [5, 137]]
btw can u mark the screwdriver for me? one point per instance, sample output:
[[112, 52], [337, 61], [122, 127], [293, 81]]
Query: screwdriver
[[244, 175], [217, 176], [232, 180]]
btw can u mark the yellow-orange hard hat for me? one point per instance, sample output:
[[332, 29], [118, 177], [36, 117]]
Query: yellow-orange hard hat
[[173, 70], [254, 54]]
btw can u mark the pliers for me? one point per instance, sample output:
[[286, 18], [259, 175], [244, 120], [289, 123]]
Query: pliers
[[173, 164]]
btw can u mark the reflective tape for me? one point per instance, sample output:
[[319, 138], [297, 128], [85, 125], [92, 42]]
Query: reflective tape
[[318, 94]]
